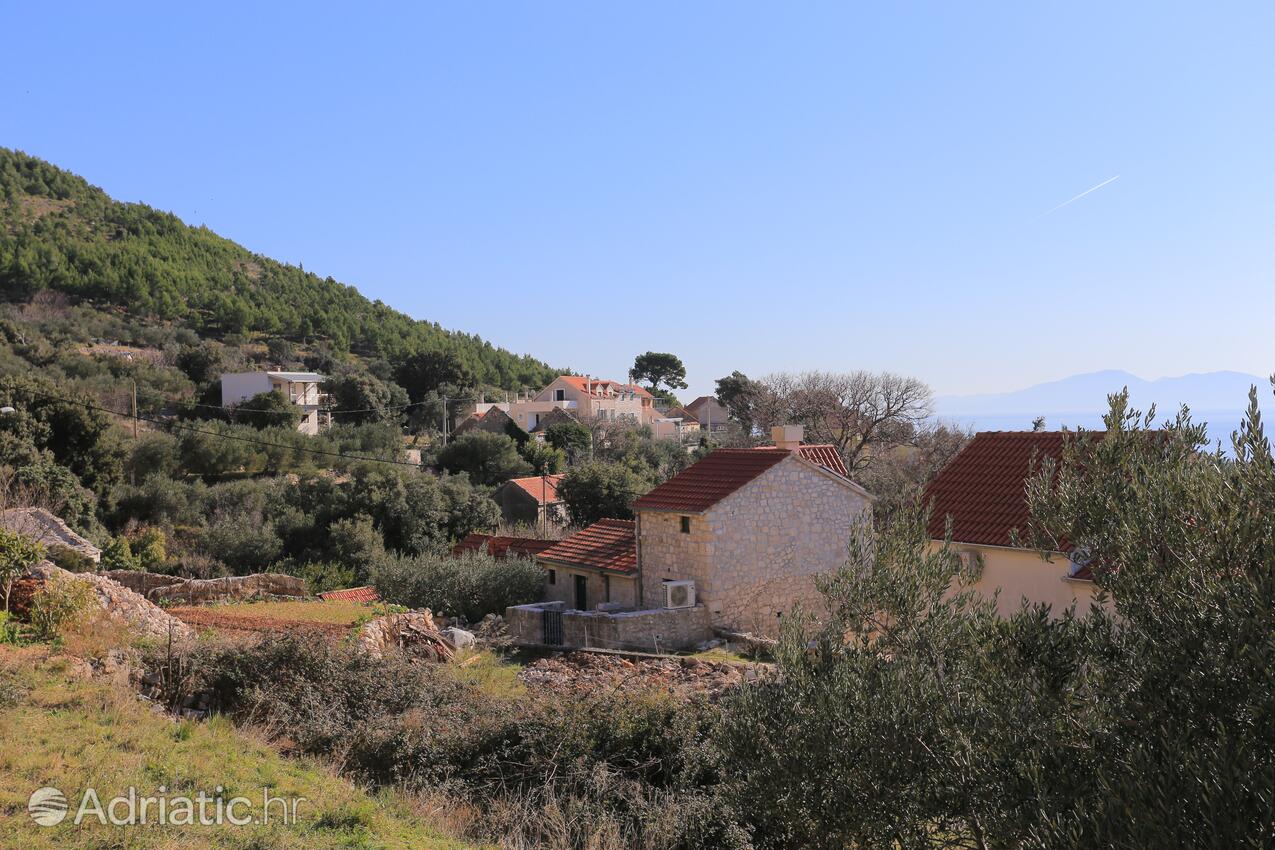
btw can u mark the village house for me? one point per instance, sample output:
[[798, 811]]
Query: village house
[[982, 491], [493, 420], [586, 397], [301, 388], [531, 501], [501, 546], [594, 567], [741, 534], [676, 423], [750, 528], [710, 414]]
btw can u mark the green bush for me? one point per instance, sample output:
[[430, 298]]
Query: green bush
[[321, 576], [471, 586], [59, 604], [628, 770]]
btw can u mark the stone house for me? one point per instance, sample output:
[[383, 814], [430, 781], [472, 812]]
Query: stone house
[[594, 567], [748, 528], [751, 528], [982, 491], [493, 421], [533, 500]]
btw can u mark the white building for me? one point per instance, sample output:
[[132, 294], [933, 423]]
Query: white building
[[301, 388]]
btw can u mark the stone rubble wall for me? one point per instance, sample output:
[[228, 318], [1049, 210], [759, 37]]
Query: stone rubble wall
[[234, 588], [121, 605], [649, 630]]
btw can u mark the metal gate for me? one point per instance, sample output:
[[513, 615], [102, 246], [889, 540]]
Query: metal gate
[[552, 627]]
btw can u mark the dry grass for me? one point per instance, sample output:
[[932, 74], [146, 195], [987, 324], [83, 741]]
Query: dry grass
[[62, 728], [339, 613], [487, 671]]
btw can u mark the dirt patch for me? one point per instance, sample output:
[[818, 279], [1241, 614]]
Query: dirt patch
[[244, 626], [588, 671]]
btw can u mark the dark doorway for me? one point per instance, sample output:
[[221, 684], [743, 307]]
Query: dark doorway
[[582, 594]]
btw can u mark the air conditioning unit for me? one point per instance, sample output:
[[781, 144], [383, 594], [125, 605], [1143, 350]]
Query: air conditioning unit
[[679, 594]]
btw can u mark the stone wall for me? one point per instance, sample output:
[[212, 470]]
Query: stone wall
[[650, 630], [754, 555], [622, 589]]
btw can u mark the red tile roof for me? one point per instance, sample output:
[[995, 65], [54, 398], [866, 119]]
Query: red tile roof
[[680, 413], [600, 387], [702, 485], [608, 544], [826, 456], [352, 594], [502, 547], [982, 488], [543, 490]]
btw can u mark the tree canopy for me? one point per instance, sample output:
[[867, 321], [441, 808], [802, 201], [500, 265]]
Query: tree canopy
[[59, 233], [660, 369]]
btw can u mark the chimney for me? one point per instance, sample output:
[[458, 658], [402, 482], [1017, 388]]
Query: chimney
[[787, 436]]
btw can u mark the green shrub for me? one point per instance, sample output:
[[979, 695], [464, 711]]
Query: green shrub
[[471, 586], [71, 560], [60, 603], [321, 576]]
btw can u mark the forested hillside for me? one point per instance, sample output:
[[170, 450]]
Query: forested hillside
[[59, 233]]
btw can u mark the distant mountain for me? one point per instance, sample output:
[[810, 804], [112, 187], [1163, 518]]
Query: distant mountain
[[1082, 398], [58, 232]]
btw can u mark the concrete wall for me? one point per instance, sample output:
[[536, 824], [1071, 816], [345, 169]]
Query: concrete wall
[[241, 386], [623, 588], [755, 554], [659, 630], [1022, 574]]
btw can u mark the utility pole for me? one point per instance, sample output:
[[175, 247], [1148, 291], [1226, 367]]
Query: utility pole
[[544, 504], [132, 476]]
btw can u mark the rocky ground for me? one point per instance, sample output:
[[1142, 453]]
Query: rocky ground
[[586, 671]]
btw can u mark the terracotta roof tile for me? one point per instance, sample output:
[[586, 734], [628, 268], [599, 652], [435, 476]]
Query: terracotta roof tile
[[600, 386], [702, 485], [826, 456], [983, 487], [502, 547], [608, 544], [352, 594], [543, 490]]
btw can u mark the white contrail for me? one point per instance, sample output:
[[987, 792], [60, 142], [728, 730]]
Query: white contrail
[[1086, 192]]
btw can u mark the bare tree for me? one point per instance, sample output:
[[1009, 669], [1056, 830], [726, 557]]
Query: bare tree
[[861, 413]]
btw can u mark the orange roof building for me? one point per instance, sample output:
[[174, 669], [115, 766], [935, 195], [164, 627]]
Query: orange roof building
[[982, 492]]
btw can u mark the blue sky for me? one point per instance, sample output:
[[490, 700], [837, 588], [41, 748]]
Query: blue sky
[[754, 187]]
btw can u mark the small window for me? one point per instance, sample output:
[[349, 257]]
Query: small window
[[606, 588], [553, 576], [686, 525], [559, 395]]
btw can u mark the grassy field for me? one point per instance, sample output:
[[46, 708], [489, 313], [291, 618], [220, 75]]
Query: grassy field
[[63, 729], [341, 613]]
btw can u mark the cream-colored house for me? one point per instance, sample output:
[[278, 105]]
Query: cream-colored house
[[586, 397], [982, 490], [301, 388]]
